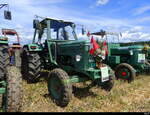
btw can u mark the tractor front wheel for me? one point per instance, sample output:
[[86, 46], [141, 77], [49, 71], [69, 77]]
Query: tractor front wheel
[[59, 87], [4, 60], [125, 71]]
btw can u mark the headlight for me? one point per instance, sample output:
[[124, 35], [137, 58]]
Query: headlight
[[131, 52], [78, 58]]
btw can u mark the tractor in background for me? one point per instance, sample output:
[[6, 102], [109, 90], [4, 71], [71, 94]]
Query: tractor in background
[[127, 61], [10, 76], [146, 45], [14, 49], [68, 59]]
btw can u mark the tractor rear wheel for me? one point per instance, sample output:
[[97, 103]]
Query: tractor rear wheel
[[4, 60], [31, 66], [59, 87], [125, 71], [12, 99]]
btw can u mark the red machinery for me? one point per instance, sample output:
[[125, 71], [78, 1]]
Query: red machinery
[[12, 32], [15, 49]]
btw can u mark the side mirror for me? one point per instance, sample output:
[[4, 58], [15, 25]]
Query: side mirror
[[36, 24], [7, 15]]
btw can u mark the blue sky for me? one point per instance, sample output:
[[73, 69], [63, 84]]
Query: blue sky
[[130, 17]]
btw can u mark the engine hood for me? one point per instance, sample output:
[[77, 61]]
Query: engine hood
[[134, 47]]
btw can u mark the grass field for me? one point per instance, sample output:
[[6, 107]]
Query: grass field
[[124, 97]]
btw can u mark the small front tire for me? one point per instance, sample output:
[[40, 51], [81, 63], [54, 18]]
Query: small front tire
[[59, 87]]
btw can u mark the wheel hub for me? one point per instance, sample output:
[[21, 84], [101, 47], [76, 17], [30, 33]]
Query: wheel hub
[[124, 74]]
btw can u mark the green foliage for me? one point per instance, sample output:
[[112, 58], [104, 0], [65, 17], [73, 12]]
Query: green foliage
[[135, 43]]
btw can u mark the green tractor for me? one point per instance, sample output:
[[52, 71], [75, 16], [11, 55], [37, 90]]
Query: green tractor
[[146, 47], [127, 61], [67, 58], [10, 76]]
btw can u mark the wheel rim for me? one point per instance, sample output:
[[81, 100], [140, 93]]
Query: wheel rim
[[55, 87], [124, 73]]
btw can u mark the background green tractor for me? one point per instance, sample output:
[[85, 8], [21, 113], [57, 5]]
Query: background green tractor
[[127, 61], [67, 58], [148, 58], [10, 76], [146, 45]]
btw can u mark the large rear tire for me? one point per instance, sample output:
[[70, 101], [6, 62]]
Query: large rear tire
[[125, 71], [31, 66], [12, 99], [4, 60], [59, 87]]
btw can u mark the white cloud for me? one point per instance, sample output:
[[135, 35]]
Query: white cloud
[[82, 37], [136, 29], [143, 19], [135, 34], [23, 16], [141, 10], [101, 2], [25, 35], [95, 23], [23, 12]]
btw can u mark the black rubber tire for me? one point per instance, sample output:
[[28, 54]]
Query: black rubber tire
[[12, 99], [4, 60], [130, 69], [66, 88], [31, 66]]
